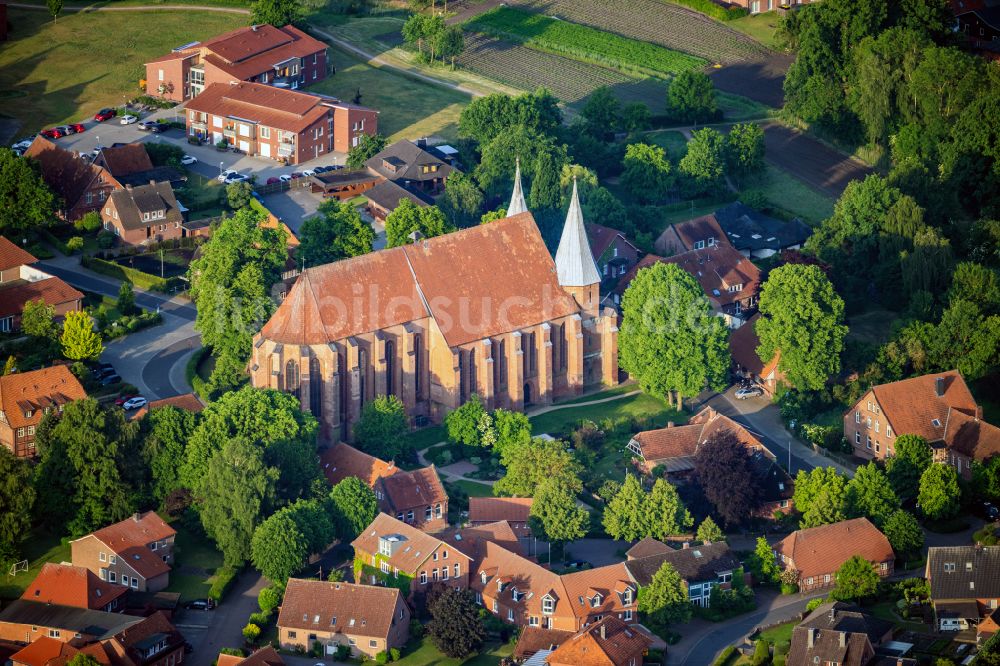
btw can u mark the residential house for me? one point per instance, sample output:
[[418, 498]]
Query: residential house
[[135, 552], [817, 553], [647, 547], [608, 642], [124, 159], [45, 651], [838, 633], [385, 197], [535, 640], [274, 123], [776, 485], [758, 236], [938, 407], [25, 397], [743, 343], [189, 402], [613, 252], [21, 282], [81, 186], [390, 548], [68, 585], [514, 510], [411, 166], [26, 621], [284, 57], [981, 27], [153, 641], [144, 214], [343, 460], [730, 280], [265, 656], [758, 6], [367, 619], [701, 568], [965, 587], [334, 344], [472, 540], [342, 184], [519, 591], [695, 234], [417, 498]]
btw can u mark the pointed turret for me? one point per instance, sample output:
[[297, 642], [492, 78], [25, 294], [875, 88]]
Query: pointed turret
[[517, 204], [574, 260]]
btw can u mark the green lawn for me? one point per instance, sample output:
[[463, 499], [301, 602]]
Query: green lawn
[[790, 194], [761, 27], [641, 406], [56, 72], [886, 611], [601, 395], [423, 653], [779, 633], [671, 140], [408, 108], [426, 437], [474, 489], [738, 108], [194, 551], [40, 547], [873, 326], [203, 195]]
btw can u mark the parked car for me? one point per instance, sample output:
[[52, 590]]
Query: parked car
[[158, 128], [145, 125], [78, 127], [128, 119], [188, 160], [236, 178], [200, 604], [101, 373], [227, 174], [285, 178], [320, 169], [21, 146], [66, 130], [52, 133], [296, 174], [309, 172], [105, 114], [134, 403], [988, 510], [750, 392], [111, 379], [123, 399], [272, 180]]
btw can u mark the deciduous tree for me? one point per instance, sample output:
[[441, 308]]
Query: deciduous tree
[[530, 463], [37, 320], [353, 506], [381, 429], [666, 514], [913, 456], [704, 163], [821, 496], [408, 218], [337, 232], [870, 495], [708, 531], [625, 515], [17, 497], [855, 580], [462, 424], [462, 201], [488, 117], [556, 512], [648, 174], [745, 149], [455, 626], [275, 12], [126, 298], [368, 147], [278, 548], [26, 202], [664, 601], [725, 470], [238, 194], [939, 491], [763, 564], [601, 113], [80, 342], [691, 97], [904, 533], [167, 430]]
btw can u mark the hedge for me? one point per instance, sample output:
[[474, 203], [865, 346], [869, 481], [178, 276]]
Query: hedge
[[199, 385], [717, 12], [725, 656], [136, 277], [225, 576]]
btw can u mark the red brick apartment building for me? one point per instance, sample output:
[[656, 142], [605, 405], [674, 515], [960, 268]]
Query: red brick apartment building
[[20, 282], [135, 552], [25, 397], [817, 553], [285, 57], [277, 124]]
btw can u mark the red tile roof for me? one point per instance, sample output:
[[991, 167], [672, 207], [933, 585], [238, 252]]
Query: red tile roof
[[63, 171], [911, 405], [124, 160], [533, 639], [355, 610], [683, 441], [12, 256], [35, 391], [265, 656], [266, 105], [971, 436], [189, 402], [717, 269], [129, 639], [52, 291], [601, 237], [434, 277], [472, 540], [42, 651], [408, 490], [700, 229], [341, 461], [822, 550], [492, 509], [646, 548], [609, 642], [129, 539], [68, 585], [416, 546]]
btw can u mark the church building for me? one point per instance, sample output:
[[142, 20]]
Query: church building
[[482, 311]]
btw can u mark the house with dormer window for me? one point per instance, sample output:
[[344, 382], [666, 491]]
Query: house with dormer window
[[144, 214], [701, 568], [136, 552], [26, 397]]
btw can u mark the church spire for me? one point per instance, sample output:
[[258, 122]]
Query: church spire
[[574, 260], [517, 204]]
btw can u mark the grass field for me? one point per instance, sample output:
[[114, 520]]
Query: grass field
[[473, 489], [792, 195], [423, 653], [194, 551], [584, 43], [670, 140], [641, 406], [40, 547], [760, 27], [55, 72], [408, 108]]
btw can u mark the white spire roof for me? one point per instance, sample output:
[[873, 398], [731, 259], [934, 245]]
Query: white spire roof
[[574, 261], [517, 204]]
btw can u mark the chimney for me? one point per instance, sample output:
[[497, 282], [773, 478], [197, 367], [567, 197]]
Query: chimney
[[939, 386], [685, 545], [254, 28], [670, 424], [136, 517], [843, 639], [811, 636], [422, 142], [416, 236], [604, 631], [128, 187], [152, 182]]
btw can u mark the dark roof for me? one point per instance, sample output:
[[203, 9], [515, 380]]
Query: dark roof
[[388, 194], [160, 174], [988, 15], [131, 203], [841, 633], [78, 620], [408, 159], [698, 563], [645, 548], [124, 159], [775, 482], [342, 178], [976, 572], [748, 229], [64, 171]]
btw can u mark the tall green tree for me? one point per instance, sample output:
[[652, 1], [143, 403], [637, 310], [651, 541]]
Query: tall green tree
[[648, 174], [904, 533], [970, 282], [353, 506], [80, 342], [496, 167], [691, 97], [312, 518], [939, 492], [382, 427], [545, 183], [709, 531], [462, 424], [17, 498], [26, 202], [821, 496], [870, 495], [666, 515], [745, 149], [601, 112], [625, 516], [368, 147], [462, 201], [37, 320], [126, 298], [704, 163], [512, 428], [556, 512], [856, 579], [486, 118], [275, 12], [167, 430], [336, 232], [664, 601], [456, 626], [278, 548], [408, 218], [913, 456], [530, 463], [670, 339], [763, 563], [802, 318]]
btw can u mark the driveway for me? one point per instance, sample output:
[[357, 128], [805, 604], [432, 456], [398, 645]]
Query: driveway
[[293, 206], [599, 552], [210, 631]]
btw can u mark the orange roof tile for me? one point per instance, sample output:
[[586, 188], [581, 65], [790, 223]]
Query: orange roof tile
[[355, 610], [472, 540], [406, 490], [492, 509], [42, 651], [63, 171], [971, 436], [416, 546], [266, 105], [12, 256], [609, 642], [129, 539], [124, 160], [601, 237], [683, 441], [821, 550], [68, 585], [647, 547], [912, 405], [36, 391], [700, 229], [189, 402], [533, 639], [52, 291], [341, 461], [265, 656]]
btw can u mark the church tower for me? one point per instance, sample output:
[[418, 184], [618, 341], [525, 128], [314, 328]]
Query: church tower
[[575, 264], [517, 204]]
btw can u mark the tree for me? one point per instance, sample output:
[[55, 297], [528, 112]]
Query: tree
[[488, 117], [802, 318], [913, 456], [636, 117], [462, 201], [556, 512], [664, 601], [601, 113], [55, 8], [238, 195], [275, 12], [497, 164], [665, 513], [26, 202], [870, 495], [704, 163], [80, 342], [408, 218], [511, 428], [449, 43], [167, 431], [727, 474], [530, 463], [709, 532], [278, 548], [82, 659], [691, 97], [269, 598], [745, 148], [625, 515], [462, 424], [353, 506], [162, 153], [939, 492], [337, 232], [855, 579], [9, 366], [17, 497], [904, 533], [966, 340], [670, 339], [382, 427], [230, 281], [368, 147], [976, 283], [126, 298], [545, 183], [89, 223], [236, 493], [455, 625], [821, 496], [37, 320], [313, 519], [763, 562], [647, 174]]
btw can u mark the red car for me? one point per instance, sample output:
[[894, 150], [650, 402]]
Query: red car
[[105, 114], [272, 180], [78, 127], [123, 399], [52, 133]]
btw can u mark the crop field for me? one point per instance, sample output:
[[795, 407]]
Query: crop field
[[584, 43], [662, 23]]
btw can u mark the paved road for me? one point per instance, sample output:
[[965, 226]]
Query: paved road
[[210, 631]]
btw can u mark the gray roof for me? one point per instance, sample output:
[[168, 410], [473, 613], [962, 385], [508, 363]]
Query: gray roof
[[166, 174], [388, 194], [748, 229], [574, 260], [841, 634], [964, 572], [408, 159], [517, 204], [698, 563], [840, 616], [77, 620], [131, 203]]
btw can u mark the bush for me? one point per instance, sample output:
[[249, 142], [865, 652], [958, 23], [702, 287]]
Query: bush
[[268, 599], [344, 652], [317, 649], [725, 656], [225, 576], [89, 223], [814, 604], [761, 653], [789, 588], [138, 278], [259, 618], [382, 658], [416, 629], [105, 240], [717, 12], [394, 654], [251, 632]]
